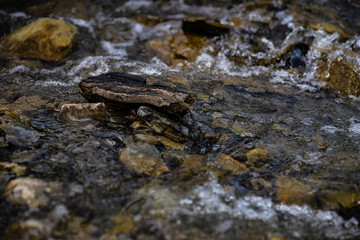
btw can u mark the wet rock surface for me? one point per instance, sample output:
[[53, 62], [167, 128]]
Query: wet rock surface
[[47, 39], [125, 91], [183, 120]]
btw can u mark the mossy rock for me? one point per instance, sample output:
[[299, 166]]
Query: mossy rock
[[341, 77], [48, 39]]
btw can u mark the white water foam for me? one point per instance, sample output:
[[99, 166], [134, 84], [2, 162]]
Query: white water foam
[[330, 129], [211, 198], [19, 69], [115, 49]]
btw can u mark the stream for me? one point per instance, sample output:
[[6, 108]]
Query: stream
[[268, 150]]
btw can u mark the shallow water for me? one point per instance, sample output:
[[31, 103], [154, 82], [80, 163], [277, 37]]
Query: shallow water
[[306, 187]]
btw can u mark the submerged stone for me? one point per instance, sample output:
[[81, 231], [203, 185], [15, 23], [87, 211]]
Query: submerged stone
[[143, 158], [228, 163], [17, 169], [291, 191], [162, 125], [47, 39], [257, 155], [334, 199], [29, 229], [23, 104], [122, 224], [30, 191], [19, 136], [75, 112], [341, 76], [148, 20], [121, 90], [159, 140], [178, 50]]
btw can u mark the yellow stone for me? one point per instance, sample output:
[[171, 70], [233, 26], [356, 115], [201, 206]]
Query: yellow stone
[[331, 28], [257, 154], [192, 163], [47, 38], [178, 49], [30, 191], [122, 224], [159, 140], [228, 163], [347, 199], [18, 170], [291, 191], [143, 158], [148, 20], [342, 76], [277, 238]]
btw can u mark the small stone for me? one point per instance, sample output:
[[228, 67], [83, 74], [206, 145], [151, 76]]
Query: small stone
[[341, 76], [155, 199], [148, 20], [192, 164], [277, 238], [23, 104], [18, 170], [143, 158], [179, 49], [30, 229], [259, 183], [76, 112], [256, 155], [162, 125], [228, 163], [60, 213], [159, 140], [19, 136], [47, 39], [333, 199], [122, 224], [291, 191], [81, 229], [30, 191], [218, 120]]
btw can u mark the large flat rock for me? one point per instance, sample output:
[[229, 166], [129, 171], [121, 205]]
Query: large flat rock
[[120, 90]]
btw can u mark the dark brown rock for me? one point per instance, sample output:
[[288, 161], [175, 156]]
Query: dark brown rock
[[203, 26], [120, 90]]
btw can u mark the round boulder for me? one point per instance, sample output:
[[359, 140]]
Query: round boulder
[[48, 39]]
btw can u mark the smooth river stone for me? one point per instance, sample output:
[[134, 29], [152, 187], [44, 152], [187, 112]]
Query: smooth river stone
[[47, 38]]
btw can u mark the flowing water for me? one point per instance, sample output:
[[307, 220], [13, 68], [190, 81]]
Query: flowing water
[[295, 132]]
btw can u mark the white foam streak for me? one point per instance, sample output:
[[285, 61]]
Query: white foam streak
[[211, 198]]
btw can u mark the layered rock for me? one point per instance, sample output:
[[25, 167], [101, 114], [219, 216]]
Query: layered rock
[[126, 91]]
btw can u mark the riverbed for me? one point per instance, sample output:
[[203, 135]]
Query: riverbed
[[268, 150]]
